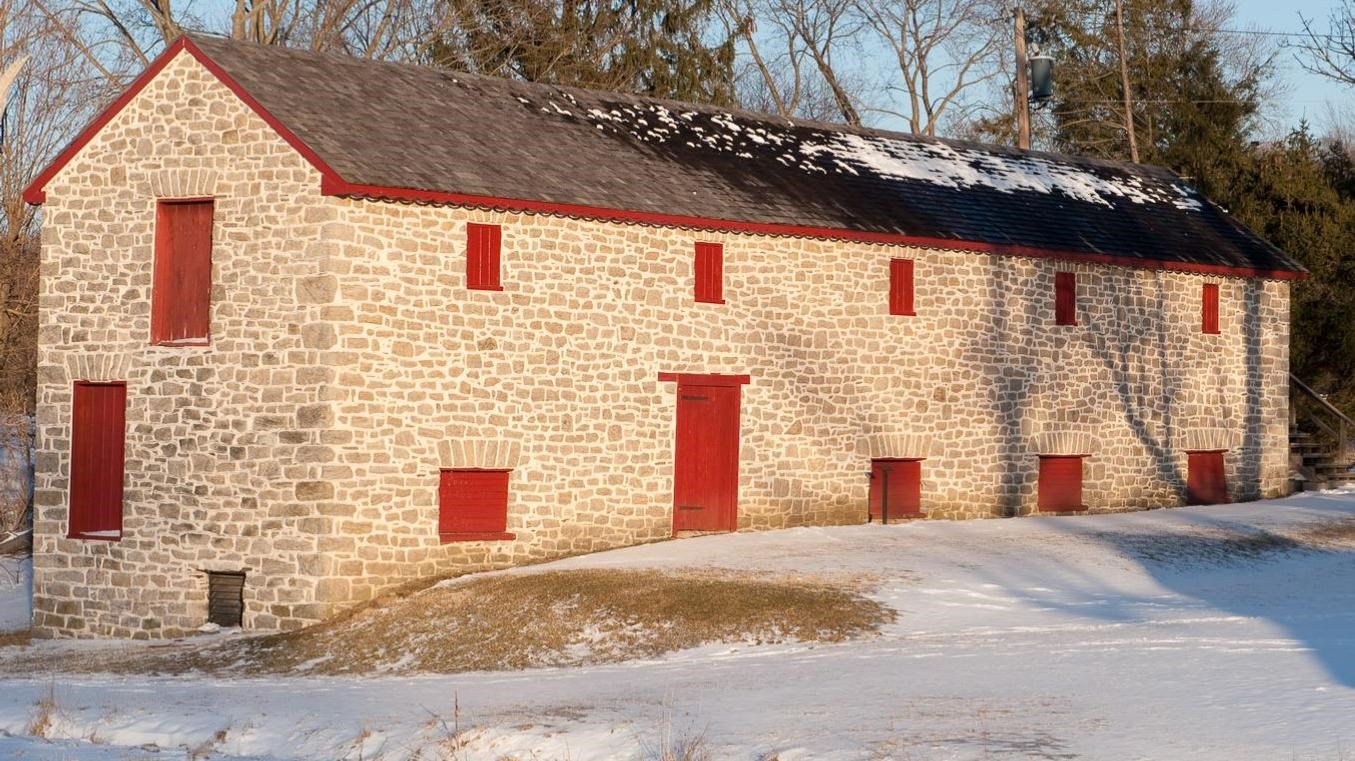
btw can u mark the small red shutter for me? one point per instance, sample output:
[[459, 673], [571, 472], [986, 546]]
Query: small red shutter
[[901, 286], [483, 243], [710, 273], [181, 295], [1206, 483], [1065, 298], [1210, 308], [473, 504], [905, 488], [98, 430], [1061, 484]]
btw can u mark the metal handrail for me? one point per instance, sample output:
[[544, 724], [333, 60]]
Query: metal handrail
[[1344, 425]]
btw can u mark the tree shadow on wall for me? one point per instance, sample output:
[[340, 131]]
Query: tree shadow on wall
[[1008, 382], [1134, 348]]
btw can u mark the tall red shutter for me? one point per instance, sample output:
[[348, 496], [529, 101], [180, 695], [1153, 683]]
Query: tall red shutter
[[1210, 309], [901, 286], [710, 273], [1065, 298], [905, 488], [98, 430], [483, 244], [1206, 483], [473, 505], [181, 295], [1060, 488]]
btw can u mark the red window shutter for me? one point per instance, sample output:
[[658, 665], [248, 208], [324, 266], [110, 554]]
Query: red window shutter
[[181, 295], [473, 504], [905, 488], [1210, 309], [1060, 484], [710, 273], [901, 286], [1065, 298], [98, 431], [1206, 483], [483, 243]]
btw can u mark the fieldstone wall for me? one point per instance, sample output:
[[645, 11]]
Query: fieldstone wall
[[349, 363], [219, 461]]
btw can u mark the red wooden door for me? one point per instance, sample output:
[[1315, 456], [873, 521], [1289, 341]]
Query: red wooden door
[[1060, 488], [706, 467], [1206, 483], [98, 431], [905, 488]]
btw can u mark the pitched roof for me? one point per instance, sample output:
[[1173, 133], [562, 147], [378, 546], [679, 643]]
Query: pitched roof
[[404, 131]]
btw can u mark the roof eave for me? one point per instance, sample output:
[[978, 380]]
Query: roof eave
[[333, 185]]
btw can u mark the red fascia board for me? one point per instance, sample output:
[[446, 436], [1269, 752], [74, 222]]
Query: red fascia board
[[700, 379], [36, 192], [333, 185]]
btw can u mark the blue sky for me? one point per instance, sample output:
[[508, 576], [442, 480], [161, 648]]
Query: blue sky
[[1304, 94]]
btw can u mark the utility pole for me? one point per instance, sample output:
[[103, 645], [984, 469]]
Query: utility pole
[[1022, 84], [1124, 83]]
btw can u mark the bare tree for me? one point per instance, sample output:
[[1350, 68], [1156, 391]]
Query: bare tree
[[778, 75], [1331, 54], [54, 91], [815, 33], [942, 48]]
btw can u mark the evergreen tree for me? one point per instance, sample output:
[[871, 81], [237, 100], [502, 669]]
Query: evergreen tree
[[658, 48], [1300, 195]]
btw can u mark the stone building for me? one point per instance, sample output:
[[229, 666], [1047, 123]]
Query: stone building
[[313, 326]]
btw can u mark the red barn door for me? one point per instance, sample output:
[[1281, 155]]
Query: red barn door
[[905, 488], [1206, 483], [706, 467], [1060, 487]]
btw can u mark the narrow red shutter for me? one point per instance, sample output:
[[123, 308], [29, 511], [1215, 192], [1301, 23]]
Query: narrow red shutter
[[1206, 482], [181, 295], [473, 504], [98, 431], [1065, 298], [1210, 308], [901, 286], [905, 488], [1060, 488], [710, 273], [483, 244]]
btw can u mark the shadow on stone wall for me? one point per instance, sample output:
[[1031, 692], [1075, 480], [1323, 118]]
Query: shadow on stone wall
[[1009, 383], [1119, 343], [1253, 427]]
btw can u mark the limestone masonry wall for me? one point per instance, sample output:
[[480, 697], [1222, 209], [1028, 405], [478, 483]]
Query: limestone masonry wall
[[349, 363]]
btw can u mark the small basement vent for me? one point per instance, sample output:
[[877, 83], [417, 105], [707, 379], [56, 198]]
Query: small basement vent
[[225, 598]]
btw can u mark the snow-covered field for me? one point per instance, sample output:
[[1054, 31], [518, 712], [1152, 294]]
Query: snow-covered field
[[1199, 633]]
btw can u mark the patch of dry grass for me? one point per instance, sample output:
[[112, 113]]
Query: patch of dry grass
[[557, 618]]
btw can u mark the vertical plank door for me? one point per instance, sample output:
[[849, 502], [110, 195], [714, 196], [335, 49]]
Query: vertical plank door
[[706, 466]]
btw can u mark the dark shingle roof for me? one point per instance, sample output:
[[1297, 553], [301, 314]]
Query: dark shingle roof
[[410, 127]]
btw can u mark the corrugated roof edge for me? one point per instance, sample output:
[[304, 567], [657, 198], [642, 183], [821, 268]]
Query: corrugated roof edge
[[335, 185]]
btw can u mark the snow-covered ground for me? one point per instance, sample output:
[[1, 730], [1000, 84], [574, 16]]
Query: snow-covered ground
[[1172, 634], [16, 576]]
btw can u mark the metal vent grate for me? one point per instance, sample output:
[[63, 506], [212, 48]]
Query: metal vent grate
[[225, 598]]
